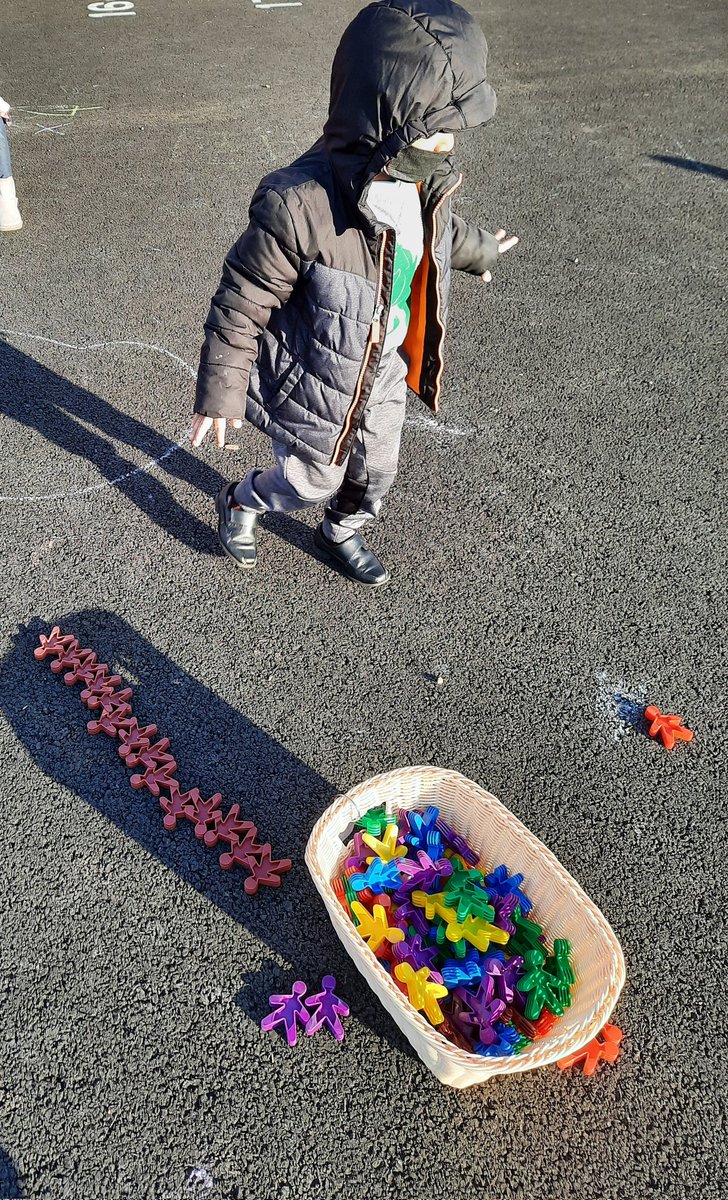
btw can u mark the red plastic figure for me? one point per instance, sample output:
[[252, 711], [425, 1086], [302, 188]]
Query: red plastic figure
[[265, 871], [134, 739], [603, 1048], [228, 828], [174, 805], [203, 812], [665, 725], [55, 643], [159, 767], [241, 853]]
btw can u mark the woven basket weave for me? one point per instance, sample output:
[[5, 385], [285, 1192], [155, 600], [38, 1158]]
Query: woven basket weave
[[560, 905]]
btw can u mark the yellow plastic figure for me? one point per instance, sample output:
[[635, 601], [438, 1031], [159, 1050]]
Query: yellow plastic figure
[[423, 995], [373, 926], [386, 849]]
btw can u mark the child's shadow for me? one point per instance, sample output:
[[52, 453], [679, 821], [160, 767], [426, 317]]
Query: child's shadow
[[216, 749], [83, 424], [9, 1183]]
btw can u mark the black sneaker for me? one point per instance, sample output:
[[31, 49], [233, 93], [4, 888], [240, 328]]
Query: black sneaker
[[352, 558], [236, 529]]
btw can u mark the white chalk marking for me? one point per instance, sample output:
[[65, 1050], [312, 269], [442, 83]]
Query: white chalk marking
[[422, 422], [111, 8], [49, 129], [147, 466]]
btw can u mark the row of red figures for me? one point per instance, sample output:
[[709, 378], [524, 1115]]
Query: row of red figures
[[154, 767]]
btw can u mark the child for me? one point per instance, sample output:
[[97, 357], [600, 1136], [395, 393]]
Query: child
[[335, 297], [10, 218]]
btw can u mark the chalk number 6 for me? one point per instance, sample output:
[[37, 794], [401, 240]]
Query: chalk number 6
[[112, 8]]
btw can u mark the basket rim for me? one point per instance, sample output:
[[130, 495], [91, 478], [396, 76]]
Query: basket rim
[[548, 1049]]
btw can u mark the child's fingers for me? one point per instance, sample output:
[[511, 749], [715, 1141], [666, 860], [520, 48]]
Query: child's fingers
[[508, 244], [200, 427], [499, 233], [219, 423], [486, 276]]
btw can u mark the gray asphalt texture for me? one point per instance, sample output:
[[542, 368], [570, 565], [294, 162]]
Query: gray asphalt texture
[[557, 555]]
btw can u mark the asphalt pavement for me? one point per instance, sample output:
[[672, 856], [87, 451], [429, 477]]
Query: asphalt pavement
[[557, 552]]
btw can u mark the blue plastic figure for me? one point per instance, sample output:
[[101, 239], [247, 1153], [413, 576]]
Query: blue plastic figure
[[502, 884], [379, 877]]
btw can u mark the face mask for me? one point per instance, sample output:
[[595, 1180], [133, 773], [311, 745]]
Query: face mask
[[413, 165]]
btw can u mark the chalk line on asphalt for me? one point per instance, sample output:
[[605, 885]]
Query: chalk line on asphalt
[[144, 467], [420, 421]]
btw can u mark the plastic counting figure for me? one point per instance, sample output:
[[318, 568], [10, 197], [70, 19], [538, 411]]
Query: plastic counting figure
[[456, 843], [415, 953], [228, 828], [288, 1010], [386, 849], [134, 738], [240, 852], [423, 873], [527, 936], [423, 993], [665, 725], [378, 877], [539, 986], [374, 927], [204, 813], [465, 893], [481, 1011], [327, 1009], [504, 976], [605, 1047], [375, 821], [263, 869], [55, 644], [159, 768], [559, 967], [502, 884], [456, 973]]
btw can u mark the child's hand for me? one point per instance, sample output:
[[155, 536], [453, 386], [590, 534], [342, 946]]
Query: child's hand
[[504, 243], [201, 426]]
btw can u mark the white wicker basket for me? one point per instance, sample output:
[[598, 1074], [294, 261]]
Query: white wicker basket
[[560, 905]]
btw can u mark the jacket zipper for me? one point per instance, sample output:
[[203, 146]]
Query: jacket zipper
[[438, 312], [375, 337]]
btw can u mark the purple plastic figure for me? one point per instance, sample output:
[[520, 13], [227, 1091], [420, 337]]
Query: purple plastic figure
[[503, 976], [287, 1009], [407, 914], [423, 875], [481, 1011], [456, 842], [504, 907], [329, 1008], [417, 955]]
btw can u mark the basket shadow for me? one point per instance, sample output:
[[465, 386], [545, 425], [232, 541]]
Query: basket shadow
[[217, 749]]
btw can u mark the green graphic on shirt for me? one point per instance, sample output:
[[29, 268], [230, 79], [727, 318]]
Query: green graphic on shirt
[[405, 265]]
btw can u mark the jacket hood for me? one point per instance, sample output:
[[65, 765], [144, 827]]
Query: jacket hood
[[404, 69]]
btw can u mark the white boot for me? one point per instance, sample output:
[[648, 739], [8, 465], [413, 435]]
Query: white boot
[[10, 217]]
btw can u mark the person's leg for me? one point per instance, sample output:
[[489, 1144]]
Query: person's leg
[[289, 485], [372, 465], [6, 169], [10, 218]]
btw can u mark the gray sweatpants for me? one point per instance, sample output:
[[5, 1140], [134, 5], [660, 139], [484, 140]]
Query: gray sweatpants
[[355, 489]]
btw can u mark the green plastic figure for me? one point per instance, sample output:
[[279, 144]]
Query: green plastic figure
[[526, 936], [539, 986], [464, 894], [562, 972], [375, 821]]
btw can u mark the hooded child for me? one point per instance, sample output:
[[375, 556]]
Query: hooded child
[[334, 299]]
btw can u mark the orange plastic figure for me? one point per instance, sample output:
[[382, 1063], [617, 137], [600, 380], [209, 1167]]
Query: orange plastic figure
[[667, 726], [374, 927], [386, 849], [603, 1048], [423, 993]]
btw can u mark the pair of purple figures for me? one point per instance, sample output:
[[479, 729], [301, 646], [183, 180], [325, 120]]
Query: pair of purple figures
[[323, 1009]]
